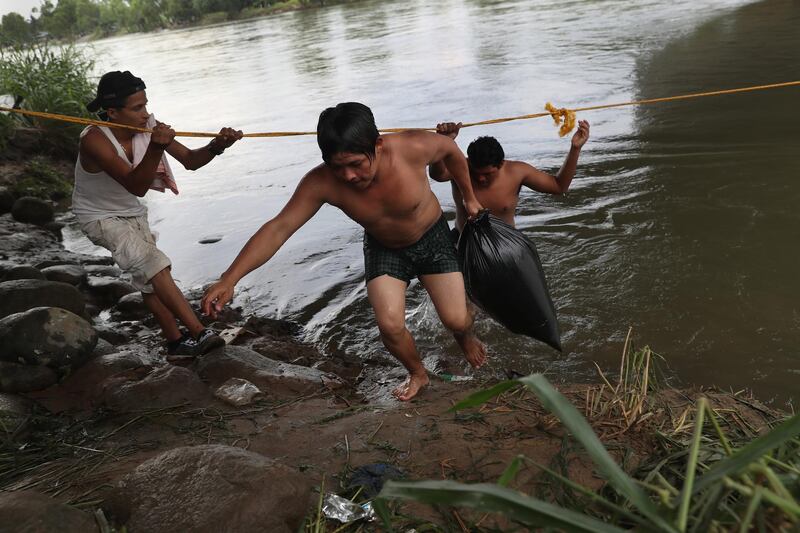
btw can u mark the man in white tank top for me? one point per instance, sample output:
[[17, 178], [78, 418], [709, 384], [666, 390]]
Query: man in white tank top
[[109, 180]]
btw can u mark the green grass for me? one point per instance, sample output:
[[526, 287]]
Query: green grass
[[6, 130], [53, 79], [42, 180], [701, 478]]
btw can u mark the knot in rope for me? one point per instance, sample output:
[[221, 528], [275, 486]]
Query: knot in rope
[[562, 114]]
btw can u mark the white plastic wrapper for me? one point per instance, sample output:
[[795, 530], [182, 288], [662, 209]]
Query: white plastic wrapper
[[238, 392], [344, 510]]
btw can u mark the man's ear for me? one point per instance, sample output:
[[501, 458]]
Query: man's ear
[[378, 142], [112, 114], [503, 162]]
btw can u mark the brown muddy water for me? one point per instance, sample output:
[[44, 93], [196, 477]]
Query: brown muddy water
[[682, 221]]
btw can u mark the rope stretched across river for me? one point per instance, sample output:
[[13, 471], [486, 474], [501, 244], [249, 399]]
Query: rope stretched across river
[[559, 114]]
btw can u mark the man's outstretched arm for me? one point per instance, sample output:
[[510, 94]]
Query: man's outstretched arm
[[199, 157], [437, 170], [559, 184], [303, 205], [442, 148]]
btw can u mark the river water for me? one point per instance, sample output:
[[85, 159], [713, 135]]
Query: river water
[[682, 221]]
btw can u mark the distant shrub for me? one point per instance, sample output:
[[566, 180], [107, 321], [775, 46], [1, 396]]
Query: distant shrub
[[214, 18], [43, 180], [53, 79], [6, 130]]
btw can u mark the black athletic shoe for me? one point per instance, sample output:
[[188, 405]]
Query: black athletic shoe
[[207, 341], [185, 346]]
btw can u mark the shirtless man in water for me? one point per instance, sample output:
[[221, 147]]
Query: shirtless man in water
[[379, 181], [498, 181]]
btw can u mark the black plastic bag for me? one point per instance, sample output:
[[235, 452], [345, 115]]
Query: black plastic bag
[[504, 277]]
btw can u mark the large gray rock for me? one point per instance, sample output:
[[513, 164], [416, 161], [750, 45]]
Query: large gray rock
[[131, 307], [72, 274], [103, 270], [287, 350], [14, 410], [15, 377], [47, 336], [87, 384], [31, 512], [55, 228], [20, 295], [272, 377], [32, 211], [5, 266], [103, 347], [211, 488], [103, 367], [109, 290], [97, 260], [163, 387], [113, 335], [7, 200], [23, 272]]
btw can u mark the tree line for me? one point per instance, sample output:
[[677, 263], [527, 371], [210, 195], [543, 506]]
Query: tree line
[[71, 19]]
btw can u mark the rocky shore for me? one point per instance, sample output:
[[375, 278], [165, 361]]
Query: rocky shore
[[98, 432]]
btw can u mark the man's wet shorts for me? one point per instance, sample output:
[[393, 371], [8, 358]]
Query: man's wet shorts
[[433, 253], [132, 247]]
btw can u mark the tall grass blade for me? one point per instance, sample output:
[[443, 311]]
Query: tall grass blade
[[744, 457], [691, 465], [491, 498], [643, 524], [556, 403], [383, 512], [485, 395], [511, 471]]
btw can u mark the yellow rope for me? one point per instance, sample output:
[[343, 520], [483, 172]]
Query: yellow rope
[[563, 117]]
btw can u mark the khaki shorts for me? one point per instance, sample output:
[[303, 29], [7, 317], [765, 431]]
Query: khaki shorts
[[132, 247]]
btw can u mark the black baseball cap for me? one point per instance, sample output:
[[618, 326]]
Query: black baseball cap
[[114, 87]]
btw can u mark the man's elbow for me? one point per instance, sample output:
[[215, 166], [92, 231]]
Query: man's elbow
[[137, 190]]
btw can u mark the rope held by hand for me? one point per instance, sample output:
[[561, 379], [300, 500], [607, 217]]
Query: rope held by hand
[[563, 117]]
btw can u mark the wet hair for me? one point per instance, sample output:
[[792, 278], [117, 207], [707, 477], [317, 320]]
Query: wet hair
[[485, 152], [348, 127]]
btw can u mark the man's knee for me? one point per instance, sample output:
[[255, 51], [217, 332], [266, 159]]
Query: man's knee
[[457, 322], [392, 327]]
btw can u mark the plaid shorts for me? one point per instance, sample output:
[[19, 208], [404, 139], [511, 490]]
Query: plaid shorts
[[433, 253]]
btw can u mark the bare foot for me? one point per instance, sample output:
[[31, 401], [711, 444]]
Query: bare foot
[[410, 387], [474, 350]]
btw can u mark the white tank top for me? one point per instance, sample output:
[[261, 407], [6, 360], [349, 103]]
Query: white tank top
[[97, 195]]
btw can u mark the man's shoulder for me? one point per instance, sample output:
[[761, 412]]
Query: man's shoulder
[[517, 165], [319, 179], [518, 169], [91, 133], [411, 145], [93, 137], [319, 173], [409, 139]]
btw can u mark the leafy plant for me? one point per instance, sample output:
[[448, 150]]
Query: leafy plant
[[43, 180], [6, 130], [50, 79], [722, 488]]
